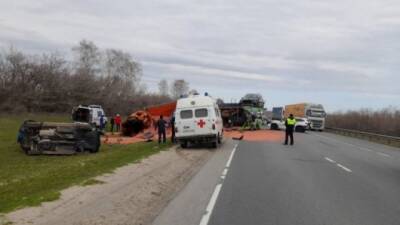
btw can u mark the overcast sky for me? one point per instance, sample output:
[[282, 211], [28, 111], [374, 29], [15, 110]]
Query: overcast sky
[[343, 54]]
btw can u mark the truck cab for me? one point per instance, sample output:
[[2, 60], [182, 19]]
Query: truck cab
[[316, 116], [314, 113], [198, 120], [88, 114]]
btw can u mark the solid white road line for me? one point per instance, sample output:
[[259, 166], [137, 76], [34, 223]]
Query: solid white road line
[[231, 157], [210, 207], [225, 172], [343, 167], [330, 160]]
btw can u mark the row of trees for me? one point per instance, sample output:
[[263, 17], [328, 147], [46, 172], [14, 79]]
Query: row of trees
[[51, 83], [385, 121], [176, 89]]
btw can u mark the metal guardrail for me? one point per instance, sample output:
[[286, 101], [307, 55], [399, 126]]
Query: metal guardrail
[[380, 138]]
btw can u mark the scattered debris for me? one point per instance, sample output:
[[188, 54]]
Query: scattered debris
[[257, 135], [136, 122], [238, 138], [144, 119]]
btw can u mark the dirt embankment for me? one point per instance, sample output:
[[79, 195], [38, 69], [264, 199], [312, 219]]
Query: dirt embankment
[[133, 194]]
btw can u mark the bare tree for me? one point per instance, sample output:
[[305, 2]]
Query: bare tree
[[87, 58], [163, 87], [121, 80], [385, 121], [48, 83], [179, 88]]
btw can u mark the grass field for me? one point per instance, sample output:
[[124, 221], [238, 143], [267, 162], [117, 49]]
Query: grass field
[[30, 180]]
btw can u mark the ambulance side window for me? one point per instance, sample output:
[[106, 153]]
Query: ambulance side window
[[186, 114], [201, 113]]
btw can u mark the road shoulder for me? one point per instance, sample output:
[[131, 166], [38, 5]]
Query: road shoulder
[[190, 204], [133, 194]]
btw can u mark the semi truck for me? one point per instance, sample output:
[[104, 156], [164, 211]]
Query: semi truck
[[314, 113], [278, 121]]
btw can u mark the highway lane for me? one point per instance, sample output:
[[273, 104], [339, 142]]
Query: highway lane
[[323, 179]]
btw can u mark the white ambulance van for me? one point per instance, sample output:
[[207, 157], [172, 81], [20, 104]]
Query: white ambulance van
[[198, 120]]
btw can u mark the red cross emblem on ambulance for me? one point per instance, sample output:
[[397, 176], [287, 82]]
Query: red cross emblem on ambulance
[[201, 123]]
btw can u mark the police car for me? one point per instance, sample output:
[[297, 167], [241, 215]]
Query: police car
[[198, 120]]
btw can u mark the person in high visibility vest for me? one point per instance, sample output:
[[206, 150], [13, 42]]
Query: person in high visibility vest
[[289, 123]]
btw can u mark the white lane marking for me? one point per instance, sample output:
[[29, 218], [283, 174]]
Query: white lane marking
[[383, 154], [231, 157], [343, 167], [330, 160], [210, 207], [353, 145], [225, 172]]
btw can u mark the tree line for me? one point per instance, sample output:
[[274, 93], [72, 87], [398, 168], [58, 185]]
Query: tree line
[[51, 83], [385, 121]]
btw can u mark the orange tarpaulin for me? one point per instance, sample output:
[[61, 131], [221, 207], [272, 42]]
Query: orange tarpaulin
[[164, 109]]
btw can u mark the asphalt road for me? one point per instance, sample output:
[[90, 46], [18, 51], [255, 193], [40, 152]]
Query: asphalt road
[[324, 179]]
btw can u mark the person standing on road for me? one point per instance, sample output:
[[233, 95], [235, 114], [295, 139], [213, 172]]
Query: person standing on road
[[289, 123], [161, 124], [117, 121]]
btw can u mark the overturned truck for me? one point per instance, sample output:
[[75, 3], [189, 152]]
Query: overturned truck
[[37, 138]]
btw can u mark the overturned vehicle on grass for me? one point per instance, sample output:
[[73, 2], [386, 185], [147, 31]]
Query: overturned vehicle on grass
[[53, 138]]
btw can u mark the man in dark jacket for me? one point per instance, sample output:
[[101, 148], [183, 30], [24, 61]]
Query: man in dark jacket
[[172, 124], [112, 121], [289, 123], [161, 124]]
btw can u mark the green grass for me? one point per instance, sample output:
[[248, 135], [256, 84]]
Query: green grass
[[30, 180]]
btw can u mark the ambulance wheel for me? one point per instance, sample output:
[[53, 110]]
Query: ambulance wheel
[[219, 139], [184, 144], [214, 144]]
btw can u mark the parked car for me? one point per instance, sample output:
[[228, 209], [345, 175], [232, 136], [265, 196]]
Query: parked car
[[302, 124]]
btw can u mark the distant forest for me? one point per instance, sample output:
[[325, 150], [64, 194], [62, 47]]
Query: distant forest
[[51, 83], [385, 121]]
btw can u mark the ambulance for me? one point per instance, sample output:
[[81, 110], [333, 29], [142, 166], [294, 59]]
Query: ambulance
[[198, 120]]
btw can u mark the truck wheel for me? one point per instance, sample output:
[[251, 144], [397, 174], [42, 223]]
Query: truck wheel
[[274, 126]]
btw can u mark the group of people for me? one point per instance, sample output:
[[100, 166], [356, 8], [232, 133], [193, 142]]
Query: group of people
[[115, 122], [161, 126]]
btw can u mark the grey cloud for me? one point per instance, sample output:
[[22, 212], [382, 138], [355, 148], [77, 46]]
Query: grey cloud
[[297, 46]]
